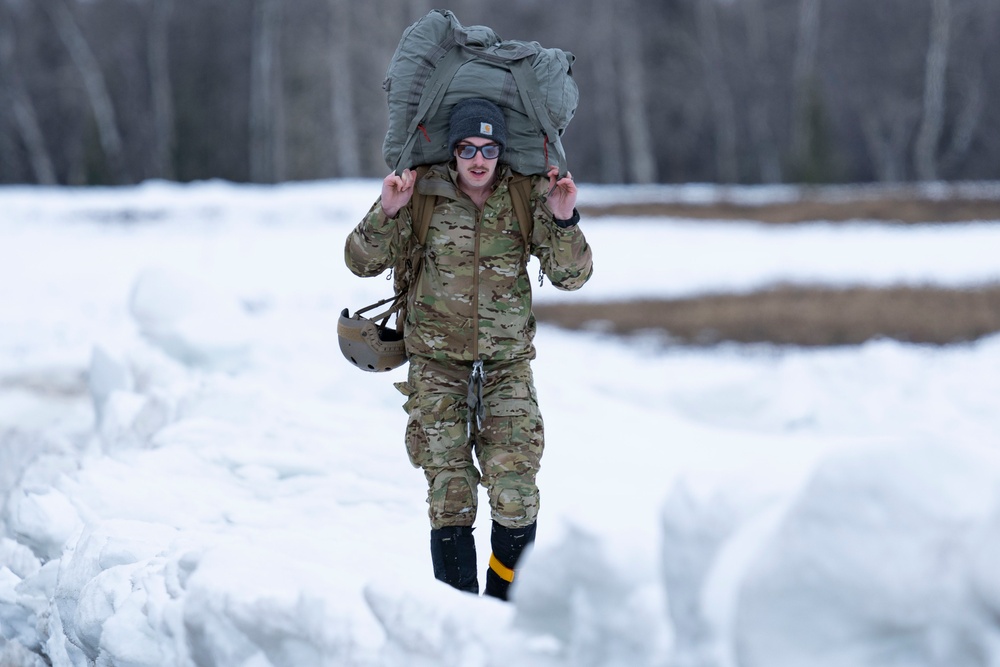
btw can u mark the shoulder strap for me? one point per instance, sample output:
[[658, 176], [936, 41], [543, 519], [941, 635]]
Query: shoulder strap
[[408, 264], [410, 259], [431, 92], [520, 197], [534, 107], [422, 210]]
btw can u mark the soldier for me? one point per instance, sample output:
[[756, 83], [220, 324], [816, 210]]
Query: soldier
[[468, 333]]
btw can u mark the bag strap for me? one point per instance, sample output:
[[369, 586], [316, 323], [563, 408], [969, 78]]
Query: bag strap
[[439, 66], [531, 98], [520, 197], [420, 220], [422, 210], [432, 95]]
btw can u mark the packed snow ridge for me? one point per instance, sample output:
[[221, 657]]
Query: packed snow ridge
[[190, 474]]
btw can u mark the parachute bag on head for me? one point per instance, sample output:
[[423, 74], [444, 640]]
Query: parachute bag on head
[[439, 62]]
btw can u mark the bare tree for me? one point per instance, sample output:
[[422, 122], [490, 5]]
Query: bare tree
[[925, 156], [762, 134], [676, 90], [971, 102], [887, 133], [719, 92], [160, 12], [22, 109], [683, 104], [804, 81], [68, 28], [640, 153], [968, 88], [606, 102], [345, 129], [267, 123]]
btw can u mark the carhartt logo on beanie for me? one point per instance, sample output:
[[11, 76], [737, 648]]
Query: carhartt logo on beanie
[[476, 118]]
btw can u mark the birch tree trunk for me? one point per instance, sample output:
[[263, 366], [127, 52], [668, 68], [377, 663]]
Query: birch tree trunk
[[160, 12], [886, 140], [804, 81], [719, 93], [267, 127], [62, 17], [971, 99], [639, 152], [21, 107], [347, 157], [931, 126], [970, 110], [762, 135], [612, 169]]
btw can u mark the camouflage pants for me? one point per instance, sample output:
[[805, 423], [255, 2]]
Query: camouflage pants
[[441, 440]]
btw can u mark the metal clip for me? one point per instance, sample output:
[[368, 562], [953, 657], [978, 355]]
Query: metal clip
[[475, 397]]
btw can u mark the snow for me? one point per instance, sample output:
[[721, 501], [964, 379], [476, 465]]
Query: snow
[[191, 474], [683, 258]]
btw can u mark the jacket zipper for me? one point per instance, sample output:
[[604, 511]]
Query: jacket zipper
[[475, 287]]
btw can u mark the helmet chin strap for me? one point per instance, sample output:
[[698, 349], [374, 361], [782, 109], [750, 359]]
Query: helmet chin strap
[[370, 346]]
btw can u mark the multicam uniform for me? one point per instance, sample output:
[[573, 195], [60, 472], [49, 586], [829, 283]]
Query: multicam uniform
[[468, 333]]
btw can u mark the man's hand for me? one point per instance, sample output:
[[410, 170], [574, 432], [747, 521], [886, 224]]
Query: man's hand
[[396, 191], [562, 194]]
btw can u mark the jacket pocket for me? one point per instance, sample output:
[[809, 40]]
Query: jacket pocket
[[407, 390]]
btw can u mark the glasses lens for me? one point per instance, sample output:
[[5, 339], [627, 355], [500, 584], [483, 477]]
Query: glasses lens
[[489, 151]]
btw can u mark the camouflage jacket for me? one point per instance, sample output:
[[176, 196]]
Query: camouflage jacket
[[472, 299]]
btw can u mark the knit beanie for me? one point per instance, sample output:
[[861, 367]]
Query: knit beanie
[[476, 117]]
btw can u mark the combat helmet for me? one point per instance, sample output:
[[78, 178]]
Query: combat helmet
[[368, 344]]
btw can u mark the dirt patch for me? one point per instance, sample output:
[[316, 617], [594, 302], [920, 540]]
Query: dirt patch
[[804, 315], [792, 315]]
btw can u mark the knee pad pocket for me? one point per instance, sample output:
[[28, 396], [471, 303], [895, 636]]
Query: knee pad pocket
[[453, 503], [513, 507]]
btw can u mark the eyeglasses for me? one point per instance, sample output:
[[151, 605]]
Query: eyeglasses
[[468, 151]]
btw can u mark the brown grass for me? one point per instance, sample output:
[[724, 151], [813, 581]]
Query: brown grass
[[804, 315], [790, 315]]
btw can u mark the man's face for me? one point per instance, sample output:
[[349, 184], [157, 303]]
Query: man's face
[[478, 170]]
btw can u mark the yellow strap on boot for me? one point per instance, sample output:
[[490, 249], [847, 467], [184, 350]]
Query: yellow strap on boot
[[502, 570]]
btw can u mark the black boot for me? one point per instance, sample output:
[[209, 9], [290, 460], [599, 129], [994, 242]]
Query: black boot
[[453, 552], [508, 543]]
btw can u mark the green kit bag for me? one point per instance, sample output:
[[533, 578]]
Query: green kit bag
[[439, 62]]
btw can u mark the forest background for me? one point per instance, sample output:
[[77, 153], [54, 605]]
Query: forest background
[[726, 91]]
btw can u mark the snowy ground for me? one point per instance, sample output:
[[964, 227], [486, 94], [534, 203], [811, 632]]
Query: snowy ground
[[191, 474]]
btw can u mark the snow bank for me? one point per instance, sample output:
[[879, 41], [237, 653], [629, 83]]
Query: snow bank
[[878, 562], [190, 321], [883, 551], [223, 489]]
